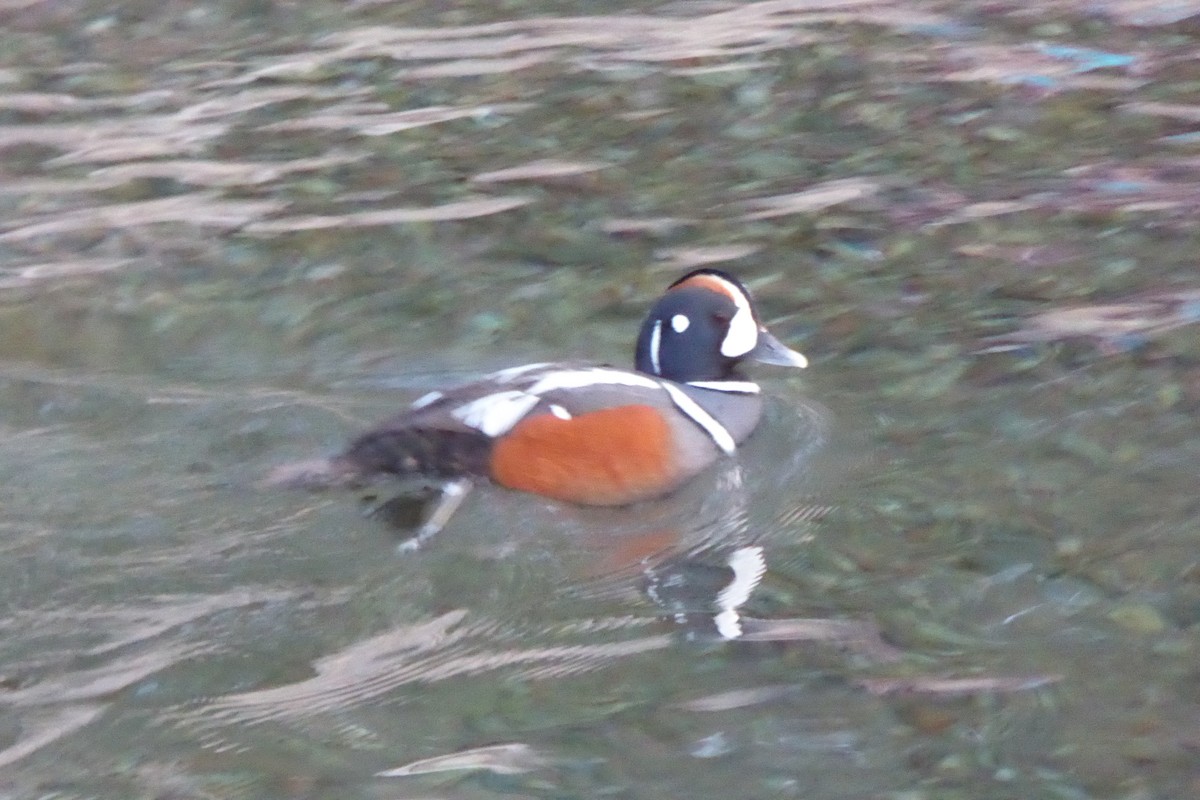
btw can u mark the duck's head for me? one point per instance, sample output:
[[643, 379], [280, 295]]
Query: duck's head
[[703, 327]]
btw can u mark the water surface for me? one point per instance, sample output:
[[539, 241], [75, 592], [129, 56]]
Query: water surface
[[233, 235]]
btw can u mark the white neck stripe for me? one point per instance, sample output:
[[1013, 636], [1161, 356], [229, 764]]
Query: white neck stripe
[[734, 387], [655, 341], [715, 430]]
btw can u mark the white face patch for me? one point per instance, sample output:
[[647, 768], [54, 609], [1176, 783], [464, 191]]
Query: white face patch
[[655, 344], [495, 414], [680, 323], [559, 411], [742, 335], [743, 329]]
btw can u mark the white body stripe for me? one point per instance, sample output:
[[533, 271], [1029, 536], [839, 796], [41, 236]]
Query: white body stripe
[[595, 376], [495, 414], [426, 399], [716, 431]]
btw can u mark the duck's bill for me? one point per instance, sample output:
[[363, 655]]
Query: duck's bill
[[770, 350]]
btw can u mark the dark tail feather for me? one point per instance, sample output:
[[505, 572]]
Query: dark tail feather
[[419, 451]]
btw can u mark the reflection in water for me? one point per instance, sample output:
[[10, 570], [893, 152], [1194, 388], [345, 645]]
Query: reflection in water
[[746, 567], [102, 681], [446, 647], [59, 696], [687, 554], [695, 556], [961, 199], [47, 726], [503, 759]]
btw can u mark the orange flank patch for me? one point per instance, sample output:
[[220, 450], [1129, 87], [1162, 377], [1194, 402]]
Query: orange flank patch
[[605, 458], [710, 282]]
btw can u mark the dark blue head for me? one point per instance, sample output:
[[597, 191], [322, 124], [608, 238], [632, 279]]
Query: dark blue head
[[703, 327]]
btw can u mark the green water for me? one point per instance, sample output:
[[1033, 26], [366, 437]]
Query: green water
[[235, 234]]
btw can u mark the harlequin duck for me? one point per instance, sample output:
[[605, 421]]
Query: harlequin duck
[[586, 434]]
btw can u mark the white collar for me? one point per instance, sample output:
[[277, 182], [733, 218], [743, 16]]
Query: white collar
[[734, 387]]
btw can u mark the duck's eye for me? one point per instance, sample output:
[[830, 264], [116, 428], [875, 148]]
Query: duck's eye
[[721, 318]]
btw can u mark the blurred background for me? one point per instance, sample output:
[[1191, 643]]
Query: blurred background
[[236, 233]]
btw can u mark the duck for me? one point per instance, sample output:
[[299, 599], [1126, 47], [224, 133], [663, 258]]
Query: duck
[[582, 433]]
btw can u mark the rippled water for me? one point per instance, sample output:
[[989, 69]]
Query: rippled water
[[234, 234]]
